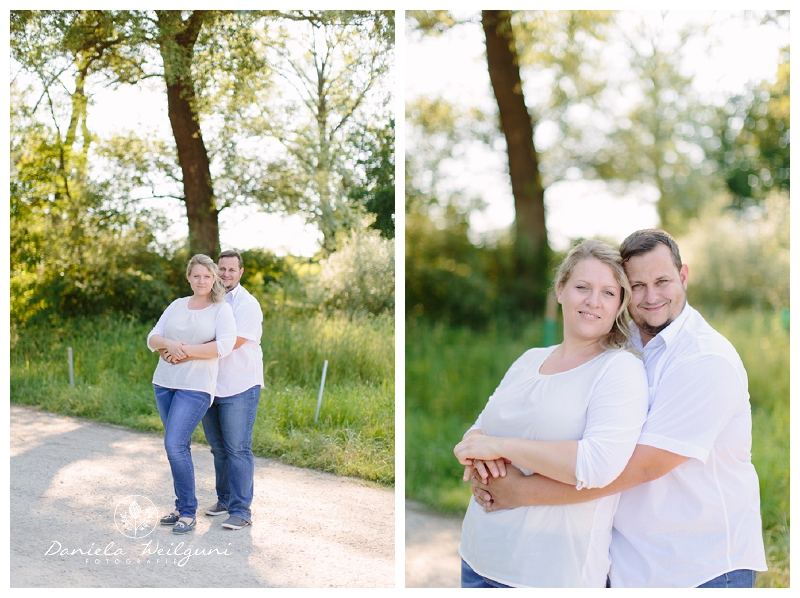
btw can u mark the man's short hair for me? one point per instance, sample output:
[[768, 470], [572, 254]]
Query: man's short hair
[[231, 253], [643, 241]]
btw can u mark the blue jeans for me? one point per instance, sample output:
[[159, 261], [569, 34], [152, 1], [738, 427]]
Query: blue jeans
[[181, 411], [228, 425], [741, 578], [470, 579]]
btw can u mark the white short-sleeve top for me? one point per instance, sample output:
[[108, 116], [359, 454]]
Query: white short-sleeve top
[[702, 519], [244, 367], [602, 404], [195, 327]]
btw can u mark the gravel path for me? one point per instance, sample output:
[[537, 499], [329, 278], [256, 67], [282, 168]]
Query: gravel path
[[432, 559], [68, 477]]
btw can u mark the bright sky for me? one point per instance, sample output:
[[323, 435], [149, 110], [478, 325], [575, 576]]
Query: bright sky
[[454, 66]]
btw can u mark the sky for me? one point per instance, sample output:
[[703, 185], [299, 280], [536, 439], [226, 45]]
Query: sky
[[453, 66]]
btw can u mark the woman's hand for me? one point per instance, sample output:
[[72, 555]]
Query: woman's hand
[[478, 446], [175, 350], [481, 454]]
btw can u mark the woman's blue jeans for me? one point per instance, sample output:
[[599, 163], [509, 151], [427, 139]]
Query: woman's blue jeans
[[228, 425], [470, 579], [181, 411]]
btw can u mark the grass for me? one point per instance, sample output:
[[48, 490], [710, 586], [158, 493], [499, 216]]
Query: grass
[[113, 371], [451, 372]]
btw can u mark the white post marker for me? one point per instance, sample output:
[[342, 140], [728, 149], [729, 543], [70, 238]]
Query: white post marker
[[321, 386], [71, 372]]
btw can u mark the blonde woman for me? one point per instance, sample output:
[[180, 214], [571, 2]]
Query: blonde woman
[[573, 413], [199, 327]]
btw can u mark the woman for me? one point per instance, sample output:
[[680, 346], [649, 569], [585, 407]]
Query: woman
[[193, 332], [572, 412]]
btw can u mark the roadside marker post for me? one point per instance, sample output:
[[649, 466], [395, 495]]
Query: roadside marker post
[[71, 370], [321, 386]]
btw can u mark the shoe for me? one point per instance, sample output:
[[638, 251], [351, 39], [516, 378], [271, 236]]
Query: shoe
[[182, 527], [234, 522], [170, 519], [217, 509]]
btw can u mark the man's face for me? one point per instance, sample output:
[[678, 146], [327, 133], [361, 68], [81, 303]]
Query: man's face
[[658, 290], [229, 272]]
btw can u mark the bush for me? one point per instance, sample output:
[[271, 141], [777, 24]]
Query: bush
[[448, 279], [739, 259], [359, 277]]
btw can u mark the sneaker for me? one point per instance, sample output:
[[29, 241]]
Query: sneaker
[[181, 527], [234, 522], [170, 519], [217, 509]]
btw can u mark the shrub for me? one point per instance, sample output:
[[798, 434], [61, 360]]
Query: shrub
[[739, 259], [359, 277]]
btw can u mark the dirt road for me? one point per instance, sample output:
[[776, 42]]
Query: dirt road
[[71, 480], [432, 559]]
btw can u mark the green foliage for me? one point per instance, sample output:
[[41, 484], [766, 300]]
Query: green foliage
[[113, 373], [451, 372], [359, 277], [450, 279], [71, 186], [738, 259], [377, 191], [751, 147]]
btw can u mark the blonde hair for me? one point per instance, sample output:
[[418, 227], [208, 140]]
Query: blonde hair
[[620, 334], [218, 290]]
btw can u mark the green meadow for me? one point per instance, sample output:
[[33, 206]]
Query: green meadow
[[354, 434]]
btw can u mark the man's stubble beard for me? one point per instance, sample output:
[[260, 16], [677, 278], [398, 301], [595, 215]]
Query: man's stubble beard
[[651, 330]]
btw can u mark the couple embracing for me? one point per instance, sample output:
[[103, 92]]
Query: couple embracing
[[629, 442], [210, 369]]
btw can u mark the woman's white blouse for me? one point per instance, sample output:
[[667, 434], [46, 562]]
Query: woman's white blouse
[[602, 404], [195, 327]]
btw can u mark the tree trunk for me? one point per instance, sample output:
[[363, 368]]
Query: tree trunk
[[532, 252], [176, 44]]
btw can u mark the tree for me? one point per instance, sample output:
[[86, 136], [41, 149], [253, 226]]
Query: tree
[[376, 192], [176, 39], [334, 63], [541, 31], [532, 251], [215, 69], [751, 142]]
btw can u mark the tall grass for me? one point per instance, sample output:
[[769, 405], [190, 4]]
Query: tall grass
[[451, 372], [113, 371]]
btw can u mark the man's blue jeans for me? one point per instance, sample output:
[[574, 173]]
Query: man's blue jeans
[[181, 411], [228, 425], [741, 578]]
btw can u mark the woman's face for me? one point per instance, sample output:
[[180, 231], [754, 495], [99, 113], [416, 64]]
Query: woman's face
[[590, 299], [201, 279]]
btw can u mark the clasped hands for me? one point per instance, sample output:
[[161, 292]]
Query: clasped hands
[[484, 466], [175, 351]]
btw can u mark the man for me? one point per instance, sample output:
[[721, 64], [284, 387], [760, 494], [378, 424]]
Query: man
[[689, 511], [228, 423]]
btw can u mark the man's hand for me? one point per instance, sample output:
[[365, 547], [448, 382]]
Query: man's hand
[[499, 493], [175, 351], [166, 357], [495, 468]]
